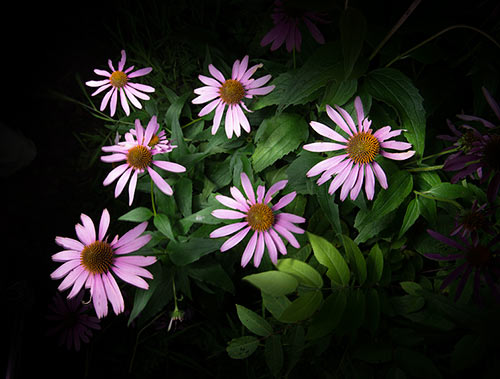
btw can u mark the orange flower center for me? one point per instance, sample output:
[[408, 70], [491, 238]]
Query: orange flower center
[[363, 147], [154, 141], [260, 217], [139, 157], [97, 257], [118, 79], [232, 91]]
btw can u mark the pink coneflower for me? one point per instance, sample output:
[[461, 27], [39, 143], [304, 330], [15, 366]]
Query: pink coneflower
[[473, 257], [158, 140], [357, 160], [286, 19], [92, 260], [220, 92], [138, 151], [74, 324], [119, 83], [261, 217]]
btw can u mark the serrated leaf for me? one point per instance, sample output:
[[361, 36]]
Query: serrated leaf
[[172, 121], [253, 322], [139, 214], [274, 283], [303, 272], [356, 258], [328, 316], [302, 307], [274, 354], [394, 88], [339, 93], [281, 134], [242, 347], [411, 215], [330, 257]]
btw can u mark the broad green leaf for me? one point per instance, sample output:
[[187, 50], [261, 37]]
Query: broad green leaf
[[297, 339], [412, 288], [212, 273], [394, 88], [303, 272], [449, 191], [204, 216], [162, 223], [281, 134], [329, 207], [274, 283], [356, 258], [354, 312], [172, 121], [139, 214], [416, 364], [411, 215], [371, 228], [407, 304], [184, 195], [328, 317], [302, 308], [297, 169], [253, 322], [330, 257], [430, 177], [242, 347], [339, 93], [374, 264], [183, 253], [274, 354], [431, 318], [428, 210], [352, 35], [275, 304]]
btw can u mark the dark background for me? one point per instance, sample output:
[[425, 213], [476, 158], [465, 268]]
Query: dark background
[[43, 47]]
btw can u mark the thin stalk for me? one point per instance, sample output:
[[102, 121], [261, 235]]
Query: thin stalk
[[441, 153], [153, 198], [430, 168], [460, 26], [191, 122]]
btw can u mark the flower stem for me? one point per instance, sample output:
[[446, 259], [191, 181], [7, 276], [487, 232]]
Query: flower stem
[[441, 153], [460, 26], [429, 168], [191, 122], [153, 198]]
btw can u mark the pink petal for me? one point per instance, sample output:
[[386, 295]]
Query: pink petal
[[219, 111], [122, 181], [243, 67], [104, 224], [129, 278], [115, 173], [228, 229], [278, 186], [288, 236], [347, 117], [284, 201], [134, 245], [319, 147], [349, 183], [325, 165], [234, 240], [99, 298], [259, 251], [160, 182], [216, 73], [327, 132], [228, 214], [113, 102], [113, 293], [83, 235], [358, 105], [131, 235], [231, 203], [261, 91], [396, 145], [290, 217], [124, 102], [398, 156], [132, 269], [247, 187], [209, 107], [359, 182], [78, 283], [338, 168], [66, 255], [340, 178], [260, 193], [205, 98], [69, 280], [69, 243], [170, 166], [235, 70], [313, 29], [249, 249], [228, 123], [242, 118], [113, 158], [259, 82], [271, 247], [141, 72], [369, 182], [278, 241], [131, 188], [238, 196], [141, 87], [64, 269], [336, 118], [380, 174], [209, 81], [88, 224]]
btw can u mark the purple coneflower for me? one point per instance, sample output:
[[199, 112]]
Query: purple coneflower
[[286, 19], [118, 81], [74, 325], [473, 257], [261, 217], [472, 221], [92, 260], [358, 152], [220, 92], [138, 151]]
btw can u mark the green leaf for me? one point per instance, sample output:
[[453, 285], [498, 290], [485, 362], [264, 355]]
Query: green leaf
[[275, 304], [139, 214], [394, 88], [352, 35], [328, 317], [302, 307], [183, 253], [329, 207], [377, 352], [242, 347], [330, 257], [253, 322], [356, 258], [303, 272], [407, 304], [274, 354], [297, 339], [372, 310], [297, 169], [428, 209], [354, 312], [449, 191], [339, 93], [375, 264], [204, 216], [172, 121], [212, 273], [415, 363], [162, 223], [280, 135], [412, 288], [411, 215], [184, 195], [274, 283]]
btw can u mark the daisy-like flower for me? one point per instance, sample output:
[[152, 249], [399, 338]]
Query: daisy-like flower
[[158, 140], [220, 92], [74, 324], [119, 84], [91, 261], [472, 221], [474, 257], [356, 163], [286, 19], [259, 216], [138, 151]]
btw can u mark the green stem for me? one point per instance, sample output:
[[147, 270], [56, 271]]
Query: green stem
[[175, 296], [191, 122], [438, 34], [430, 168], [441, 153], [153, 198]]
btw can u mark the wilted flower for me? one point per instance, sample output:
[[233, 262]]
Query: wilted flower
[[358, 152]]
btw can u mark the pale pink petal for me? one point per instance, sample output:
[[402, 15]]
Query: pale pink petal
[[104, 224], [249, 250], [349, 182], [325, 165], [289, 226], [238, 196], [112, 105], [69, 243], [115, 173], [243, 67], [131, 235], [98, 83], [216, 73], [231, 203], [78, 283], [319, 147], [113, 158], [278, 241], [113, 293], [340, 178], [243, 119], [141, 72], [131, 188], [244, 79], [229, 122], [288, 236], [134, 245], [278, 186], [160, 182], [131, 93], [219, 111], [381, 133], [122, 181], [99, 298], [129, 278], [359, 182], [228, 229], [209, 81], [102, 73], [259, 82], [290, 217], [261, 190], [247, 187], [132, 269], [122, 61], [137, 260], [347, 117], [380, 174], [70, 279], [234, 240], [391, 134], [327, 132], [170, 166], [259, 251], [284, 201], [141, 87], [398, 156], [260, 91], [396, 145], [209, 107], [236, 121], [64, 269], [105, 99], [333, 170], [227, 214], [369, 182], [337, 118], [124, 102], [271, 247], [235, 70], [66, 255], [101, 89], [205, 98], [83, 235]]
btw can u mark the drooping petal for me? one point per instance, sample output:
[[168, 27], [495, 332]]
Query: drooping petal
[[160, 182], [445, 240], [249, 250], [271, 247], [113, 293], [284, 201], [234, 240], [380, 174], [228, 229], [99, 298], [259, 250], [231, 203], [69, 243], [398, 156], [170, 166], [115, 173], [216, 73], [122, 181], [369, 182]]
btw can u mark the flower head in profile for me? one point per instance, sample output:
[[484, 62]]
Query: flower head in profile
[[473, 257], [286, 19], [139, 151], [91, 261], [219, 92], [119, 85], [471, 222], [260, 217], [358, 150], [73, 325]]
